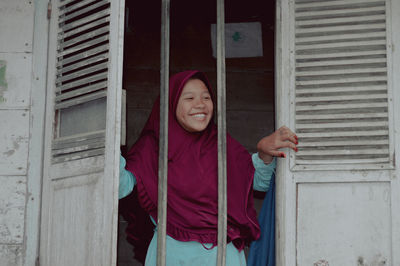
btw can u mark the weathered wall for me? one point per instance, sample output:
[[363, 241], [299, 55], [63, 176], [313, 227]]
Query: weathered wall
[[15, 76]]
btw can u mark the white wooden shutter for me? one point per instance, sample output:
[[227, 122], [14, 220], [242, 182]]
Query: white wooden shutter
[[83, 118], [341, 84], [338, 197]]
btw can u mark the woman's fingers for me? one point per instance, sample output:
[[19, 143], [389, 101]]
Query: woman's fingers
[[281, 138], [293, 139], [288, 144], [286, 134]]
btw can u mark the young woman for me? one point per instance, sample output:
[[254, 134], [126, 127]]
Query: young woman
[[192, 176]]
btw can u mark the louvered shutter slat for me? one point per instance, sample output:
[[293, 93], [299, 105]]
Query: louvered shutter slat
[[82, 72], [336, 21], [333, 30], [86, 54], [328, 4], [344, 125], [374, 35], [82, 22], [60, 158], [335, 71], [336, 5], [340, 98], [335, 45], [360, 133], [70, 141], [63, 18], [342, 63], [81, 38], [333, 152], [323, 106], [356, 12], [83, 28], [66, 9], [81, 91], [80, 100], [87, 44], [347, 143], [343, 79], [342, 90], [316, 116], [89, 61], [85, 81], [63, 3], [332, 161], [79, 148], [341, 55]]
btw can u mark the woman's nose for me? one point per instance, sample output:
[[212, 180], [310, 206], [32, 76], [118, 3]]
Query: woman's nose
[[200, 103]]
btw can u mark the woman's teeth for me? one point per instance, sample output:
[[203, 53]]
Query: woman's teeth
[[199, 115]]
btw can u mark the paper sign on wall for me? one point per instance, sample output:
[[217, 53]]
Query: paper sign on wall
[[241, 39]]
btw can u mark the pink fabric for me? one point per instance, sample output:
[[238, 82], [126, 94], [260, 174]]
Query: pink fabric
[[192, 212]]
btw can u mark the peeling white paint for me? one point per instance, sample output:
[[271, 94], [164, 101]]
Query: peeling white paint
[[18, 16], [12, 209], [16, 83], [11, 255], [14, 140]]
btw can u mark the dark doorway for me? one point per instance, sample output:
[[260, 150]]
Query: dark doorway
[[250, 80]]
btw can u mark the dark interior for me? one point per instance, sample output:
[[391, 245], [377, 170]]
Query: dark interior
[[249, 80]]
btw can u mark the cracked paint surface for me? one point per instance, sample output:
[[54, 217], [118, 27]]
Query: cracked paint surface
[[11, 255], [12, 209], [14, 140]]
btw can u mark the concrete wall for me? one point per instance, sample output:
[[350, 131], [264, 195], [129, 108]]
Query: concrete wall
[[16, 42]]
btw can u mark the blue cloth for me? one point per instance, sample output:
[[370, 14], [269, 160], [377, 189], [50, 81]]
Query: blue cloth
[[262, 251], [263, 173], [127, 181]]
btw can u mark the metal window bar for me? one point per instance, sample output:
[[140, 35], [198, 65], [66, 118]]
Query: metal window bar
[[163, 145], [221, 122]]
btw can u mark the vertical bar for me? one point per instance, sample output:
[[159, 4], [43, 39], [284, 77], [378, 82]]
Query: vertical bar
[[221, 121], [163, 145]]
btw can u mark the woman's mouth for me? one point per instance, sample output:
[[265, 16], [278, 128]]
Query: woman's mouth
[[200, 116]]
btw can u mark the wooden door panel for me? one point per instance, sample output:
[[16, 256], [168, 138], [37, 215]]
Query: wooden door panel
[[344, 223], [82, 139]]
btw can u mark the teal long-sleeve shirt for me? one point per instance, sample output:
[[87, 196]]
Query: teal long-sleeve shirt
[[193, 253]]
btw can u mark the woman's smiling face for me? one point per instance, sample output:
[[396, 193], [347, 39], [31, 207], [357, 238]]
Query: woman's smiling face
[[195, 106]]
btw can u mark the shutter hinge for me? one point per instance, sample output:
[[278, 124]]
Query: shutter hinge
[[49, 10], [37, 262]]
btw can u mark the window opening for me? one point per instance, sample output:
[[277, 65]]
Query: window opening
[[250, 81]]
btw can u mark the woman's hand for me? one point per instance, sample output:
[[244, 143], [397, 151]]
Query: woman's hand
[[269, 146]]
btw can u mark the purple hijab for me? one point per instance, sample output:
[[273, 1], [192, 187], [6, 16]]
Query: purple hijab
[[192, 211]]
